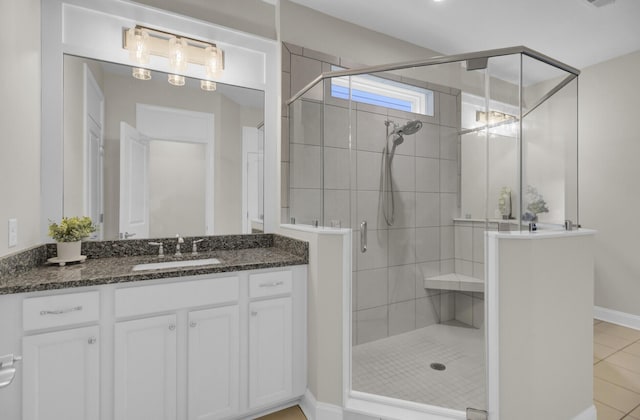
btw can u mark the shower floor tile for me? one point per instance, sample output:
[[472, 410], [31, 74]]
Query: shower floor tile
[[399, 367]]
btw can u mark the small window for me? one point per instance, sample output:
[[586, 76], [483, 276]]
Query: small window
[[383, 92]]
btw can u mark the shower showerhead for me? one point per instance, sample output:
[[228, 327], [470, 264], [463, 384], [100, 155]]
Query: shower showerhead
[[408, 129]]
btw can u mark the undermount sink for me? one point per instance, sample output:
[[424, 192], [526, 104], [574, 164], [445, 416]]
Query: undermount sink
[[175, 264]]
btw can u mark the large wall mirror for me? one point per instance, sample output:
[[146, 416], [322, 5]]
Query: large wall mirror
[[145, 158]]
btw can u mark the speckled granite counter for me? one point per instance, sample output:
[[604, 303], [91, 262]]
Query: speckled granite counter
[[112, 262]]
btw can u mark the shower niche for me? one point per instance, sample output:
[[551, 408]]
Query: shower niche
[[420, 160]]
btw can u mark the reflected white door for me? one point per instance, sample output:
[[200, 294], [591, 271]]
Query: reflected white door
[[252, 179], [94, 177], [94, 151], [134, 183]]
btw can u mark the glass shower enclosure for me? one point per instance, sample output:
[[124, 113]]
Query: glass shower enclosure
[[420, 160]]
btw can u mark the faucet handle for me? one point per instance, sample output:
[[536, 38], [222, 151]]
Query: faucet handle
[[160, 248], [195, 243], [180, 241]]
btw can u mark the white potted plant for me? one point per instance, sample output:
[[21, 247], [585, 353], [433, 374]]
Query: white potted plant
[[69, 233]]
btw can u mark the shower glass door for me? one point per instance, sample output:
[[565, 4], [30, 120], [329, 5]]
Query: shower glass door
[[418, 291]]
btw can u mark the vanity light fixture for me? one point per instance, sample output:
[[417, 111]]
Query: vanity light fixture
[[494, 117], [143, 42]]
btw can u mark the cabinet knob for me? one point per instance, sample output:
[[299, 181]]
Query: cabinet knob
[[254, 313], [92, 340], [172, 327], [193, 324]]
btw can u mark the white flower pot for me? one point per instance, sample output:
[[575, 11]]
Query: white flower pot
[[69, 250]]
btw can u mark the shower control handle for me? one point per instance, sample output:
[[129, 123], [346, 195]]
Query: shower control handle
[[363, 236]]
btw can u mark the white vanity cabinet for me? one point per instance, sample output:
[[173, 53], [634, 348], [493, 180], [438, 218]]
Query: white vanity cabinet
[[220, 346], [213, 387], [61, 377], [145, 355], [270, 338], [270, 347], [210, 347]]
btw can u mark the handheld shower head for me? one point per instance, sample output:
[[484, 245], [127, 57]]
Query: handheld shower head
[[408, 129]]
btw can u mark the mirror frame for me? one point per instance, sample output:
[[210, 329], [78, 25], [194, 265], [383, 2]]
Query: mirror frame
[[93, 29]]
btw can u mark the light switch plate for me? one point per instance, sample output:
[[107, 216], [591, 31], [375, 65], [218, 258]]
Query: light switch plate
[[13, 232]]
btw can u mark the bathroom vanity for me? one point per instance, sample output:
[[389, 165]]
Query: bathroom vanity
[[100, 341]]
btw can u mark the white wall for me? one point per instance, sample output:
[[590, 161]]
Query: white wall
[[303, 26], [20, 122], [539, 304], [609, 101], [176, 188], [252, 16], [324, 314]]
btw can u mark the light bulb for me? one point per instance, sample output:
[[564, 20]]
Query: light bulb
[[138, 45], [141, 74], [208, 85], [176, 80], [213, 62], [178, 54]]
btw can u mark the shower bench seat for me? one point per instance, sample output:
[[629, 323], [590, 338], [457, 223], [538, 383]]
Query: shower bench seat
[[454, 281]]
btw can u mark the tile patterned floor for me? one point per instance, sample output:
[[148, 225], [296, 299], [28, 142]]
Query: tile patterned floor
[[399, 367], [616, 371]]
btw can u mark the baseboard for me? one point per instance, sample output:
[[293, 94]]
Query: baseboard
[[617, 317], [315, 410], [588, 414]]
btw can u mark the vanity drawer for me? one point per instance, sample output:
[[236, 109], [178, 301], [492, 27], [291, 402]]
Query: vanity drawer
[[60, 310], [142, 300], [270, 284]]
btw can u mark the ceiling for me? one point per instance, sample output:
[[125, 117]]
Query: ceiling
[[571, 31]]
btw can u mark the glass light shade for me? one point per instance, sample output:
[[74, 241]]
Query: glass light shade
[[138, 45], [213, 62], [208, 85], [176, 80], [177, 54], [141, 74]]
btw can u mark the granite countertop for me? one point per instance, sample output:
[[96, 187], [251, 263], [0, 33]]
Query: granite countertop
[[108, 270]]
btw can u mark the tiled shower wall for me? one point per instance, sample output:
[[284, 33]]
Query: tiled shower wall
[[388, 290]]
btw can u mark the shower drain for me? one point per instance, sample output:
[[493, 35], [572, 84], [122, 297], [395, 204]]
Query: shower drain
[[438, 366]]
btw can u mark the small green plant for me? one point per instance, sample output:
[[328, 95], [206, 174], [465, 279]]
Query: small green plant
[[72, 229]]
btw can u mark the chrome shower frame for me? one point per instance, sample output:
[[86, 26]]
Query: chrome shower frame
[[469, 57]]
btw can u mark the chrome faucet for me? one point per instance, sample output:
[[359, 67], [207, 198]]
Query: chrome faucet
[[194, 250], [180, 241]]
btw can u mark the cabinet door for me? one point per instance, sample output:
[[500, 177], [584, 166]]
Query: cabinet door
[[214, 363], [270, 351], [145, 369], [61, 375]]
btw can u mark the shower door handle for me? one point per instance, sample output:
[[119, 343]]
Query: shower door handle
[[363, 236]]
